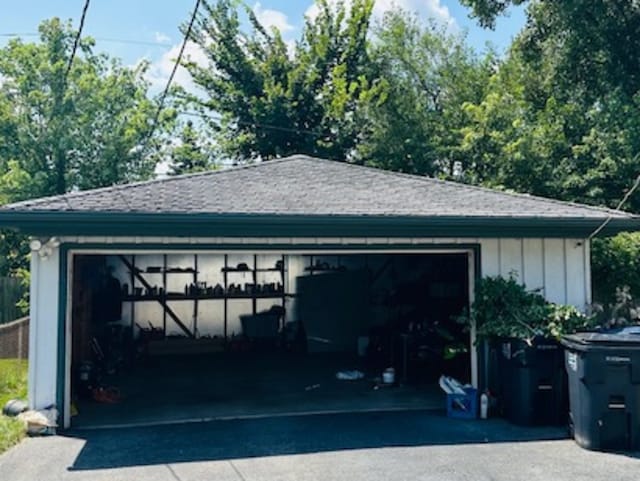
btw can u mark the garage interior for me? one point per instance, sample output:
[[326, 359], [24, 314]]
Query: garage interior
[[168, 337]]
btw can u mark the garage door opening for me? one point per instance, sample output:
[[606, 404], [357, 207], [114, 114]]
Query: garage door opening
[[195, 336]]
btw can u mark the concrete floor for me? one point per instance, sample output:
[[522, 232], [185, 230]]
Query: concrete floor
[[423, 446], [223, 386]]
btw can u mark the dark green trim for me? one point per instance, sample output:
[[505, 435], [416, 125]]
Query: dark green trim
[[271, 225], [298, 248]]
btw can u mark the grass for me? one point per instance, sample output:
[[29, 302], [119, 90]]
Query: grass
[[13, 385]]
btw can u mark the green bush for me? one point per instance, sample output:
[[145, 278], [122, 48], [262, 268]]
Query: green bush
[[615, 263], [504, 308]]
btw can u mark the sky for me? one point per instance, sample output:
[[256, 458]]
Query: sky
[[150, 27]]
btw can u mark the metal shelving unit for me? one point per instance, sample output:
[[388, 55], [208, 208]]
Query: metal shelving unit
[[159, 294]]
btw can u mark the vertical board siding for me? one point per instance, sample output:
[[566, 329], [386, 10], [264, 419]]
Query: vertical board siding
[[558, 268], [533, 264], [490, 257], [588, 299], [43, 331], [555, 270], [575, 268], [511, 261]]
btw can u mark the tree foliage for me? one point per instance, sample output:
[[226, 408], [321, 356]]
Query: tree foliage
[[616, 263], [428, 75], [560, 117], [190, 154], [486, 11], [274, 102], [60, 133]]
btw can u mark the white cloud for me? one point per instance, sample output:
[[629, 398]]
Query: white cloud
[[159, 71], [272, 18], [426, 8], [161, 37]]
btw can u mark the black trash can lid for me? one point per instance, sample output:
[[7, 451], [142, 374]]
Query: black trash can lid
[[626, 336]]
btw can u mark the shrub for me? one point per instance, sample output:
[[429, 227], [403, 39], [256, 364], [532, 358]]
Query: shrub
[[615, 262], [504, 308]]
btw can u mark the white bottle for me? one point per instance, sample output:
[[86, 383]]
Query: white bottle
[[484, 405]]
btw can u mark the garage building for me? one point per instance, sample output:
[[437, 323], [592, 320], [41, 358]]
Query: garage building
[[246, 291]]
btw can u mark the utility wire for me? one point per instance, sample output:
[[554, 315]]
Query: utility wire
[[187, 34], [76, 41], [629, 193]]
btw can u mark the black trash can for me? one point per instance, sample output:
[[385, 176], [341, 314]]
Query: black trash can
[[534, 386], [604, 388]]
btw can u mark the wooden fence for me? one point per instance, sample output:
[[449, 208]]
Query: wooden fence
[[14, 339], [11, 291]]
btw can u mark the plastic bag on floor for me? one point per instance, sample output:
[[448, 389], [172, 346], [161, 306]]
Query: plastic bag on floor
[[40, 422], [451, 385]]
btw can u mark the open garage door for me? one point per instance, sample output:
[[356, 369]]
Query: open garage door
[[209, 335]]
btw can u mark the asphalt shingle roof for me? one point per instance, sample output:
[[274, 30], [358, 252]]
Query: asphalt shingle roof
[[309, 186]]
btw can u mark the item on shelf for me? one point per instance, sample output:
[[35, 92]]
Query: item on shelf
[[137, 291], [279, 265], [179, 270], [125, 289], [218, 290], [324, 266], [152, 291]]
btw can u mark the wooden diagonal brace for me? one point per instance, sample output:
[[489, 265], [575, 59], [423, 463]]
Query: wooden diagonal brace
[[162, 301]]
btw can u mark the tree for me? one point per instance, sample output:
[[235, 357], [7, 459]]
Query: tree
[[428, 75], [57, 132], [486, 11], [561, 117], [274, 102], [189, 155]]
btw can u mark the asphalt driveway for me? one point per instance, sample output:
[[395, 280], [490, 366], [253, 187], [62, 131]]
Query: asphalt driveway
[[365, 446]]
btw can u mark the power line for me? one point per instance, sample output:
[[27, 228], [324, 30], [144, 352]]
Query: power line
[[629, 193], [187, 34], [256, 124], [76, 41]]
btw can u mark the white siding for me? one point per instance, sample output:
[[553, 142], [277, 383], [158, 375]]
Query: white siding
[[559, 268], [555, 270], [511, 258], [43, 331], [575, 272], [533, 264]]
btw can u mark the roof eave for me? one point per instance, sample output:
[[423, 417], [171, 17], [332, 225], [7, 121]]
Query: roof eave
[[65, 223]]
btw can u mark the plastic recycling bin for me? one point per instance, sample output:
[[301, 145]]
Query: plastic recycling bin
[[604, 388], [533, 382]]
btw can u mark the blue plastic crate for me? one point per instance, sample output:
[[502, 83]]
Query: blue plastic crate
[[463, 406]]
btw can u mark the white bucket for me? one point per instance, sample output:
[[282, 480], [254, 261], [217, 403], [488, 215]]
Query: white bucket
[[389, 376]]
